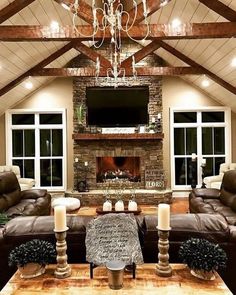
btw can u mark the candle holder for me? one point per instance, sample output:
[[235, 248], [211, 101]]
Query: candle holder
[[203, 166], [158, 124], [193, 173], [163, 268], [63, 269]]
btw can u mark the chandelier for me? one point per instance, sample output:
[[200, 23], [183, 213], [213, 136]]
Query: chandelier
[[113, 18]]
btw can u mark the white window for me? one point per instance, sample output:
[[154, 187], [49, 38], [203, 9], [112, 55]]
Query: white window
[[36, 142], [205, 132]]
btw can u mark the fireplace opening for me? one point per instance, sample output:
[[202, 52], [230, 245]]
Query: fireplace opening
[[115, 168]]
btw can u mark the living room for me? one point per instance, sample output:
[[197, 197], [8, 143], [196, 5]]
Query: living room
[[175, 126]]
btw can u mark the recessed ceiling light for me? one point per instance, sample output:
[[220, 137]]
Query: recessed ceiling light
[[54, 25], [28, 85], [65, 6], [205, 83], [233, 62], [175, 23]]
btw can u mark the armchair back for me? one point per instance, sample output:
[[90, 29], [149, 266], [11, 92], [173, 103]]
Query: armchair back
[[25, 183], [9, 190]]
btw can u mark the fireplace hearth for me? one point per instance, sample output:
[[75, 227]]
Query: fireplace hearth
[[118, 168]]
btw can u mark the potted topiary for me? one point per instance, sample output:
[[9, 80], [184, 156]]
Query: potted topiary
[[3, 219], [202, 257], [32, 257]]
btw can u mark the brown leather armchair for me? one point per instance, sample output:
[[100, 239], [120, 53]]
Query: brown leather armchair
[[15, 202], [215, 201]]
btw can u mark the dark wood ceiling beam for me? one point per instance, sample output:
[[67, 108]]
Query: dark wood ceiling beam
[[192, 63], [40, 65], [92, 54], [157, 31], [152, 7], [141, 54], [13, 8], [221, 9], [142, 71], [84, 12]]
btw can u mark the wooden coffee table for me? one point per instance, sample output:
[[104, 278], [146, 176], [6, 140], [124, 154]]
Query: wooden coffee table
[[146, 282]]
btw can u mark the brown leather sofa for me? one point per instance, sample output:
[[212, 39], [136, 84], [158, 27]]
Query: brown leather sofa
[[215, 201], [210, 226], [15, 202]]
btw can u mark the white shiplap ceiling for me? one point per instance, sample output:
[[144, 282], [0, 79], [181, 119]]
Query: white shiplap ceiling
[[214, 54]]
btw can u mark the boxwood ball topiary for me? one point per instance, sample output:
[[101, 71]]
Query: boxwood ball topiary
[[200, 254], [38, 251]]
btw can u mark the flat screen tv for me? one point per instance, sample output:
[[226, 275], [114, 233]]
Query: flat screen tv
[[117, 107]]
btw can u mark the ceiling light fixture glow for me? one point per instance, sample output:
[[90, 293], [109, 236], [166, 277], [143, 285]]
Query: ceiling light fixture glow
[[28, 85], [233, 62], [205, 83], [54, 25], [175, 23]]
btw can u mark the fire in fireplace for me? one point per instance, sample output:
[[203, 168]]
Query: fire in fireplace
[[115, 168]]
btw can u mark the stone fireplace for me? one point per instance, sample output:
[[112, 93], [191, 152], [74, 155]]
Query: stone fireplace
[[118, 168], [136, 156]]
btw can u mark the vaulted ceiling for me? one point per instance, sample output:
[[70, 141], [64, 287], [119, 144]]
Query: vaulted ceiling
[[205, 46]]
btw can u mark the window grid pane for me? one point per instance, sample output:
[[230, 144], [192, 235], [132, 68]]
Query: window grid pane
[[50, 146], [185, 143]]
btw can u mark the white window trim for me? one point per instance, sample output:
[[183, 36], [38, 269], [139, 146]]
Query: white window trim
[[8, 129], [226, 124]]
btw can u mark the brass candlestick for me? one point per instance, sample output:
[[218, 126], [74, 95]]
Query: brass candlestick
[[163, 268], [63, 269]]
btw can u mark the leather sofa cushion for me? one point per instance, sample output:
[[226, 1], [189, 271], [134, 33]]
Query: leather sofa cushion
[[9, 190], [184, 226], [27, 228], [33, 193], [205, 193]]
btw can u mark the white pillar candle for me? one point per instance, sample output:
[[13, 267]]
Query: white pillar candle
[[60, 218], [153, 120], [85, 163], [76, 160], [203, 161], [119, 206], [107, 206], [163, 216], [194, 156], [132, 206], [159, 116]]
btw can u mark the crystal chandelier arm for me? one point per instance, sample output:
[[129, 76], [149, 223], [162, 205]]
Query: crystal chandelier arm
[[102, 26], [145, 37], [125, 28]]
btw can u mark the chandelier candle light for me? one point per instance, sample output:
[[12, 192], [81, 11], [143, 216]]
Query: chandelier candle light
[[115, 19], [63, 270], [163, 268]]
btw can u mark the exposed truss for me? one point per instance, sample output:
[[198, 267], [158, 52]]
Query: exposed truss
[[158, 33]]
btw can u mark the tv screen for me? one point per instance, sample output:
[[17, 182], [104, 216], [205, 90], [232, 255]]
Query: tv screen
[[117, 107]]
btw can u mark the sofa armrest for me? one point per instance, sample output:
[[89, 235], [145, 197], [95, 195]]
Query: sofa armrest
[[34, 193], [214, 178], [205, 193], [28, 181], [41, 206]]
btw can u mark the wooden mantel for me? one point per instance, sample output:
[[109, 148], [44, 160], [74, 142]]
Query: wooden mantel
[[130, 136]]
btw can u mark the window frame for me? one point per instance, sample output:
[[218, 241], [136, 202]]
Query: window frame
[[226, 124], [36, 126]]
